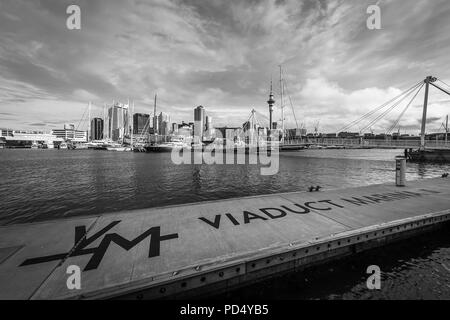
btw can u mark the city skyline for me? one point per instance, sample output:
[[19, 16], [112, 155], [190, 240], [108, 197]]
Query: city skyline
[[218, 55]]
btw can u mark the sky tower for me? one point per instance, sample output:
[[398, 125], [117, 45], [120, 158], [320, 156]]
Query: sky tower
[[271, 102]]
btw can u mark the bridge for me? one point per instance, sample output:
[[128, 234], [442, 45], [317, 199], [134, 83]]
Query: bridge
[[361, 143]]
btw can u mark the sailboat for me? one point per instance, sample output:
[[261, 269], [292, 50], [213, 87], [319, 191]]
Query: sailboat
[[424, 154]]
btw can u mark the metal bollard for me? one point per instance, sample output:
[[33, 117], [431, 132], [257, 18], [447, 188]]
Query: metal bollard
[[400, 171]]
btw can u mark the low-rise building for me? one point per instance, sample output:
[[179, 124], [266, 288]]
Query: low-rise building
[[69, 133]]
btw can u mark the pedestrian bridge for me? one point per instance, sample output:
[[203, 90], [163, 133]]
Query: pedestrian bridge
[[369, 143]]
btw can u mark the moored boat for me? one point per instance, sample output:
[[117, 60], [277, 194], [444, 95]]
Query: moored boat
[[429, 155]]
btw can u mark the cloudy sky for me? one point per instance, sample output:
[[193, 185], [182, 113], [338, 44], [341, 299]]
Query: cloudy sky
[[222, 55]]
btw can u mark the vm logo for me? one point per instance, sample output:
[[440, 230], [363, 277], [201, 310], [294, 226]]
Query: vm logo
[[83, 245]]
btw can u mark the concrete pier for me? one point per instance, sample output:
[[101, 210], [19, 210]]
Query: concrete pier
[[211, 246]]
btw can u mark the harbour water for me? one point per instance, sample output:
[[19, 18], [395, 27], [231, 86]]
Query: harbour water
[[39, 185]]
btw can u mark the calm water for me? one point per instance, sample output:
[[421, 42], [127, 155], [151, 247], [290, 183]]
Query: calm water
[[37, 185]]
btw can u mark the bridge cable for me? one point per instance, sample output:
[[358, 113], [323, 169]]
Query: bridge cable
[[373, 111], [382, 115], [404, 110], [443, 82]]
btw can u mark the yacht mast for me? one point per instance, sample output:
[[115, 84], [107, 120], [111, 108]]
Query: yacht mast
[[155, 119], [282, 106], [132, 124], [105, 125], [446, 129], [89, 124]]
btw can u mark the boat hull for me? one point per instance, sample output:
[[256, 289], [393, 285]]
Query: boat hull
[[119, 149], [430, 155], [286, 148], [156, 148]]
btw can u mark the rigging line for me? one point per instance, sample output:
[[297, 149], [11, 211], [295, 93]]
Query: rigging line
[[444, 83], [382, 115], [371, 112], [251, 114], [293, 112], [82, 117], [290, 100], [442, 89], [404, 110], [262, 115]]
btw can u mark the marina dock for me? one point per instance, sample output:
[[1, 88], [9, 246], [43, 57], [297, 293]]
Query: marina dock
[[210, 247]]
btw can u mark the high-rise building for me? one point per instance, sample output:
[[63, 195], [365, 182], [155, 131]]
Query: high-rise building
[[96, 129], [165, 128], [184, 129], [199, 122], [174, 128], [155, 125], [117, 123], [163, 117], [141, 123]]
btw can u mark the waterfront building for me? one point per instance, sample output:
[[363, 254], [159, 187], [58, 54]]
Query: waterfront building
[[174, 128], [141, 123], [209, 129], [155, 126], [185, 130], [208, 124], [117, 122], [69, 133], [163, 117], [349, 135], [96, 129], [24, 139], [6, 132], [295, 133], [230, 134], [199, 122], [165, 128]]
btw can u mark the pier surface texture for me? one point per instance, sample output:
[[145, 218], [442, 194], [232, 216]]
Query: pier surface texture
[[195, 249]]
